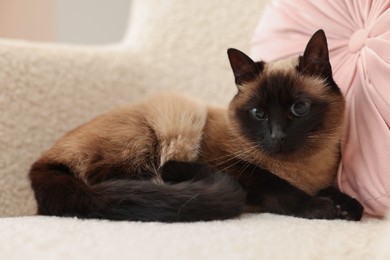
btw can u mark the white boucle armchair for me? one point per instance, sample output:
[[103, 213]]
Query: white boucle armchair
[[48, 89]]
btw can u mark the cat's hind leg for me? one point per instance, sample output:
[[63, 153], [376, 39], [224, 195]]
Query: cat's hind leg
[[178, 123]]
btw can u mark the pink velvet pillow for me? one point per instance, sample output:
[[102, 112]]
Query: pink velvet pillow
[[358, 33]]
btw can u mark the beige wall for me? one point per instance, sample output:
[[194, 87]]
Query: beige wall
[[70, 21], [27, 19], [91, 21]]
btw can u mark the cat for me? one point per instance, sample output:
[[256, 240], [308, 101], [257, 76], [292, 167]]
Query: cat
[[171, 158]]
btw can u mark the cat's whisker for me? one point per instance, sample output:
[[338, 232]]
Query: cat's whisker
[[237, 157], [229, 166], [218, 158], [230, 157], [245, 167]]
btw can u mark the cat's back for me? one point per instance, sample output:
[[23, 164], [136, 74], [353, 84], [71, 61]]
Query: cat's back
[[161, 128]]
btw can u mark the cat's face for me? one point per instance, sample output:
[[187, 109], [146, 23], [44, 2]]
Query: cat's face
[[289, 106]]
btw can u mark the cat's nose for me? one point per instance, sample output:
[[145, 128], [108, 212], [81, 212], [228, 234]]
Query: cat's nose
[[277, 134]]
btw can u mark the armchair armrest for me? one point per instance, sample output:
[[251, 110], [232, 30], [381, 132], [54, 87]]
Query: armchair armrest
[[46, 90]]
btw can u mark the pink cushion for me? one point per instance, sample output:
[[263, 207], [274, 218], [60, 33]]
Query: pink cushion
[[358, 34]]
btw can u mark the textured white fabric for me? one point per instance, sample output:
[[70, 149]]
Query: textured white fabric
[[46, 90], [251, 237]]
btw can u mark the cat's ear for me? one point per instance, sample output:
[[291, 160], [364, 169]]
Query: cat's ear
[[315, 60], [244, 68]]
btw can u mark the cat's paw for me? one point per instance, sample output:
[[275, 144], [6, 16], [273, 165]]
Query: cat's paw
[[346, 207], [318, 208], [349, 210]]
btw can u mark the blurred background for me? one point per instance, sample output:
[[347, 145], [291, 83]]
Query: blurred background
[[65, 21]]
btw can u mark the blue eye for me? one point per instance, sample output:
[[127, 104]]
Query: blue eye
[[258, 114], [300, 109]]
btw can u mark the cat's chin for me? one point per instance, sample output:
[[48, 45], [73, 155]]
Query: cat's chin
[[288, 153], [279, 150]]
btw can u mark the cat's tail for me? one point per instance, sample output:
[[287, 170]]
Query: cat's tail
[[58, 192]]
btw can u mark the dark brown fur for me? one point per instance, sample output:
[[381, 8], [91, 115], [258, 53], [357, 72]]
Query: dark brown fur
[[174, 159]]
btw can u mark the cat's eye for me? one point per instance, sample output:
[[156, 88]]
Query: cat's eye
[[300, 109], [258, 114]]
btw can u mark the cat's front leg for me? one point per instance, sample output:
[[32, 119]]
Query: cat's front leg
[[316, 208], [347, 207], [267, 192]]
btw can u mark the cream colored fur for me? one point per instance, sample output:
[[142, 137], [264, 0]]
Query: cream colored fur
[[179, 122]]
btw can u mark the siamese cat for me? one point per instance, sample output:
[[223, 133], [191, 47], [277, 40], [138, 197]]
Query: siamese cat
[[170, 158]]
